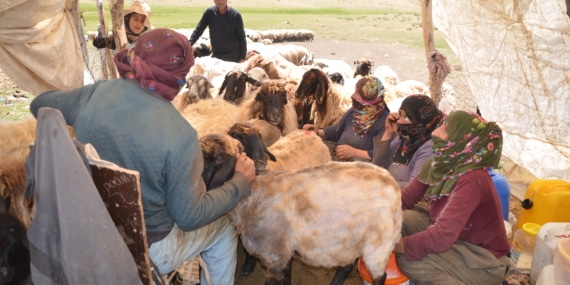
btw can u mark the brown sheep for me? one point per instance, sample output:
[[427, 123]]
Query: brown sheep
[[321, 101], [271, 104], [12, 188]]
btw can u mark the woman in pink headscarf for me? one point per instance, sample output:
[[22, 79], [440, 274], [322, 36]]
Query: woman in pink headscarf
[[131, 122]]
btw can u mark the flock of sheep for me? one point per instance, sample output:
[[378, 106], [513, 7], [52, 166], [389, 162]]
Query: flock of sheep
[[328, 212]]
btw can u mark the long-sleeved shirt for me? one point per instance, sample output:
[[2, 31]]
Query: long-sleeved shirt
[[384, 153], [139, 130], [471, 213], [227, 34], [343, 132]]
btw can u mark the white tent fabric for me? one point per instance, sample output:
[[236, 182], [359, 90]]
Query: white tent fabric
[[38, 44], [517, 58]]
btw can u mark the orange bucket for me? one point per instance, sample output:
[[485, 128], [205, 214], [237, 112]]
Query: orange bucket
[[394, 275]]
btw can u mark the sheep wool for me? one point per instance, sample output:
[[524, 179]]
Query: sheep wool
[[326, 215]]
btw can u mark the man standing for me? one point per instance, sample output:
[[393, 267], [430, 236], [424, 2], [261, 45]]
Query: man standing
[[227, 34]]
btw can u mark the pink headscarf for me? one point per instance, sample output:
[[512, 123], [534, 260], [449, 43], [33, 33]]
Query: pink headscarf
[[159, 60]]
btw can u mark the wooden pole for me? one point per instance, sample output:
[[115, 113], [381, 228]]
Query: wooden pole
[[427, 24], [107, 66], [119, 32]]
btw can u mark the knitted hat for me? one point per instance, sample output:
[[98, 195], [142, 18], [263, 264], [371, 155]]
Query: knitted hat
[[369, 89], [142, 8]]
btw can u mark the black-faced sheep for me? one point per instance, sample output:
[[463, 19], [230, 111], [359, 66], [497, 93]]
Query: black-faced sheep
[[197, 87], [293, 213], [234, 86], [271, 104], [336, 77], [14, 251], [363, 67], [321, 101], [250, 138]]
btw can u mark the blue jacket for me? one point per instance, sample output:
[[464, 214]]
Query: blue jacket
[[139, 130]]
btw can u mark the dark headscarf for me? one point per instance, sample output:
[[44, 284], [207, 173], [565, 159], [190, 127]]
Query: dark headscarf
[[472, 143], [425, 118], [159, 60], [368, 103]]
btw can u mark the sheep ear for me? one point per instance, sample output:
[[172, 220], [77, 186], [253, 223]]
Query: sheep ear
[[270, 155], [322, 89]]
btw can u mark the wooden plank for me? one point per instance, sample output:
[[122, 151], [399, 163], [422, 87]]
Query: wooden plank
[[120, 191]]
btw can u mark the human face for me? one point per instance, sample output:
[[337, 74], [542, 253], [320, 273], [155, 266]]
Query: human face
[[221, 5], [136, 23], [441, 131], [403, 118]]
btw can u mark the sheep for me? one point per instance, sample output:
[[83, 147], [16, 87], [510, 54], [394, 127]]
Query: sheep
[[234, 86], [271, 104], [211, 116], [356, 201], [197, 87], [250, 138], [297, 150], [336, 77], [14, 251], [307, 59], [12, 188], [363, 67], [258, 60], [322, 102], [16, 137], [388, 76], [269, 133]]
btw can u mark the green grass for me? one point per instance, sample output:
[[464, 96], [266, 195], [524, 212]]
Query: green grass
[[368, 26]]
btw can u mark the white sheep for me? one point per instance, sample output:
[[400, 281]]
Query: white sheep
[[327, 216], [197, 88]]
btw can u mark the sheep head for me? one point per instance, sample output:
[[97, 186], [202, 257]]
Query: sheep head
[[363, 67], [15, 256], [272, 97], [234, 86], [336, 77], [250, 138], [198, 89], [220, 153]]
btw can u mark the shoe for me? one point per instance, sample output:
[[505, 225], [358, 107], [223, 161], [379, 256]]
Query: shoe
[[248, 266]]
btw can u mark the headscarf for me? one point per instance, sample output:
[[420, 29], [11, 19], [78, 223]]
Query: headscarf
[[159, 60], [138, 7], [368, 103], [425, 117], [472, 143]]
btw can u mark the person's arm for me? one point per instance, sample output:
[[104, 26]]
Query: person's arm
[[200, 27], [189, 204], [447, 227], [381, 152], [240, 31], [103, 42], [68, 102]]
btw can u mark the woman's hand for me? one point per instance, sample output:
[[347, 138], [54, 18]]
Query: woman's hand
[[345, 152], [390, 126]]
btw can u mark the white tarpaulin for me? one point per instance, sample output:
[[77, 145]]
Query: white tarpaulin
[[39, 48], [516, 55]]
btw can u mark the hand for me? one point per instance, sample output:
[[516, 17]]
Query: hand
[[345, 152], [309, 127], [246, 167], [390, 126]]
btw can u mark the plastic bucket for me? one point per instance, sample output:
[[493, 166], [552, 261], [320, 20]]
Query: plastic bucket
[[504, 192], [394, 275], [546, 241]]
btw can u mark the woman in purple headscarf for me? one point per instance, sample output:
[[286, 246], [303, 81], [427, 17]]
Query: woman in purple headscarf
[[131, 122]]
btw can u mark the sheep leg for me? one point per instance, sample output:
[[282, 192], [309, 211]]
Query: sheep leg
[[279, 276], [249, 264], [341, 274], [381, 280]]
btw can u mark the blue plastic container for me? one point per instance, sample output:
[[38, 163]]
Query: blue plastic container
[[503, 190]]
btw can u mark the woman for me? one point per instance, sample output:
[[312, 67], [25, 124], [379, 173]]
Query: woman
[[137, 21], [353, 134], [404, 154], [462, 240]]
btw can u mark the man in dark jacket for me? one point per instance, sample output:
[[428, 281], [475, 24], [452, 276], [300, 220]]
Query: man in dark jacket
[[227, 35]]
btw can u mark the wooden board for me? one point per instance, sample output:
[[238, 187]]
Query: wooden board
[[120, 191]]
